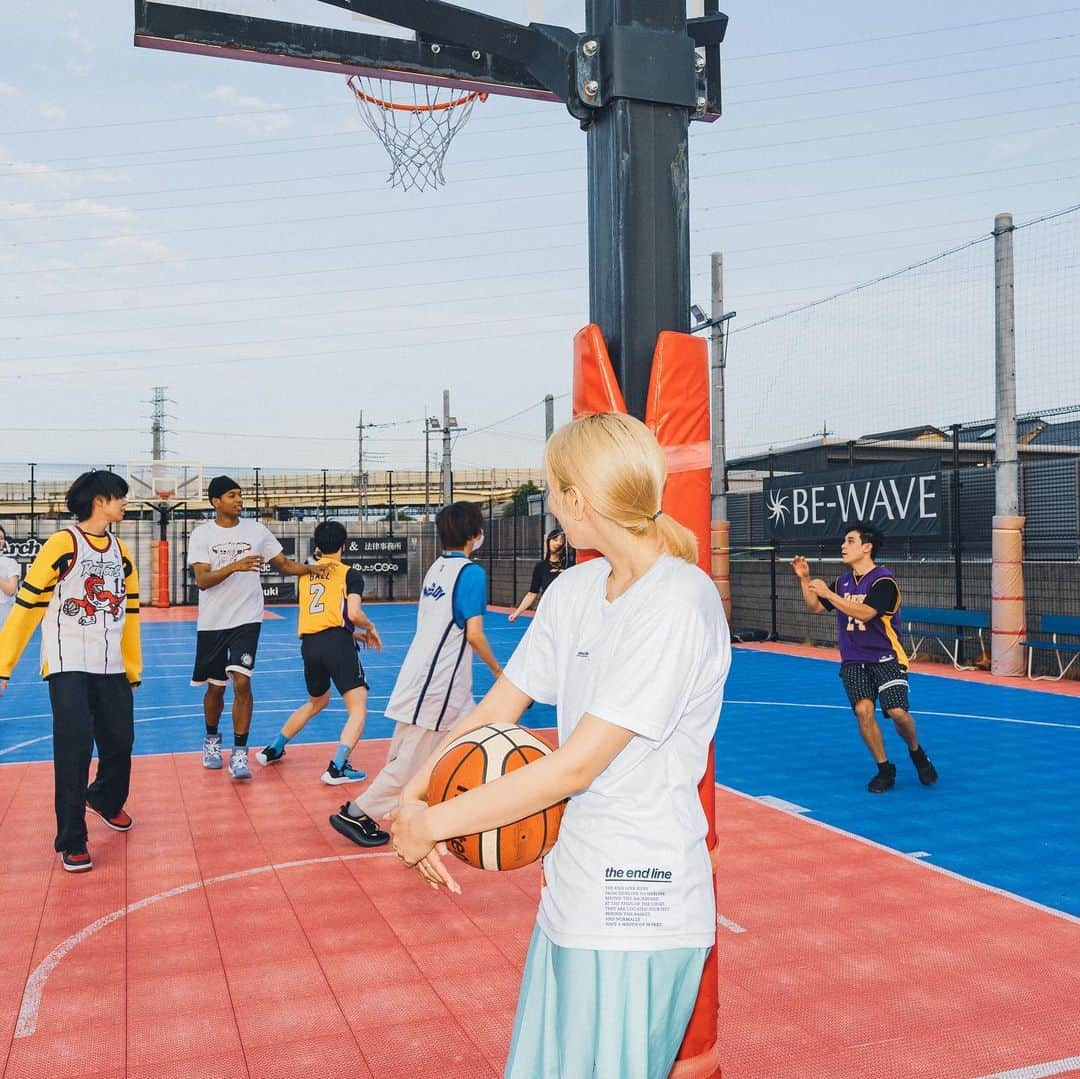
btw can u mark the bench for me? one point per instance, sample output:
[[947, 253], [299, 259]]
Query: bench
[[1054, 624], [934, 623]]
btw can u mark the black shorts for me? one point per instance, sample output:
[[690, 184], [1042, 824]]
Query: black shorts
[[886, 682], [331, 655], [220, 651]]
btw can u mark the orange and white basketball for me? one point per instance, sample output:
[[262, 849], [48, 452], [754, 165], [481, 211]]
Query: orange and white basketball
[[479, 757]]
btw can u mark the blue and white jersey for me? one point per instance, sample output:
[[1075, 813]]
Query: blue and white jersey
[[434, 686]]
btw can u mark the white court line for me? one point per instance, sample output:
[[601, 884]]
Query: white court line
[[22, 745], [728, 924], [917, 711], [1065, 915], [192, 712], [35, 984], [1039, 1071]]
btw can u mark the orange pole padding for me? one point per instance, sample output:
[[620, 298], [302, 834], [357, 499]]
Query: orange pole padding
[[721, 563], [159, 576], [1008, 615], [596, 389], [677, 412]]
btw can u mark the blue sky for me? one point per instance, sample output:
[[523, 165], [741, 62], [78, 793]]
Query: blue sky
[[225, 230]]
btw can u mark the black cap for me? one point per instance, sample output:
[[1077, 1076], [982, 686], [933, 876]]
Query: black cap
[[219, 485]]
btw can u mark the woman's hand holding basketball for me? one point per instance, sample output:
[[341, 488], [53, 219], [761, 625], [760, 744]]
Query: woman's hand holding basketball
[[415, 847]]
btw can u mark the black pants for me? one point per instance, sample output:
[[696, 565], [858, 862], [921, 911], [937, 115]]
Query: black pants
[[89, 708]]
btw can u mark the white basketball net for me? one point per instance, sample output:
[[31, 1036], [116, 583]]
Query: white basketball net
[[416, 134]]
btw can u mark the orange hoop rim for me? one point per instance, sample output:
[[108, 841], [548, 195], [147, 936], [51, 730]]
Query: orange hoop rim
[[470, 95]]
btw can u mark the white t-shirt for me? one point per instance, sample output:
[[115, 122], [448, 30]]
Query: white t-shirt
[[8, 568], [238, 600], [630, 870]]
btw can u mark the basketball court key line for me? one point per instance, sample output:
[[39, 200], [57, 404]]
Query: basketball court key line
[[35, 984]]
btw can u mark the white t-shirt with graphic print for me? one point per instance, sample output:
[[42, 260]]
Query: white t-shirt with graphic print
[[238, 600], [630, 870]]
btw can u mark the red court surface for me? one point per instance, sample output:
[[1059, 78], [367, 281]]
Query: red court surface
[[232, 933]]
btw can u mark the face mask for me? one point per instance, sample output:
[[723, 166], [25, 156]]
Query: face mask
[[478, 542]]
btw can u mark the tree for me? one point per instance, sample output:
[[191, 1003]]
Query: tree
[[519, 500]]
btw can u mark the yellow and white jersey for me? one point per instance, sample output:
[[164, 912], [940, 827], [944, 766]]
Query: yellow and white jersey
[[322, 596], [84, 590]]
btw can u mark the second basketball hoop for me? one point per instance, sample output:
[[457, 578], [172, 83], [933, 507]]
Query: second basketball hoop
[[416, 133]]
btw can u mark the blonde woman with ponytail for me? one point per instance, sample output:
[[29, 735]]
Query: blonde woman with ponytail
[[633, 650]]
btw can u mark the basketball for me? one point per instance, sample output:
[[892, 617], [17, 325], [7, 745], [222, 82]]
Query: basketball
[[479, 757]]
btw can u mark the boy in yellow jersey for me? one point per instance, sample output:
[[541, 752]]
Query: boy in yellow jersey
[[331, 621], [84, 585]]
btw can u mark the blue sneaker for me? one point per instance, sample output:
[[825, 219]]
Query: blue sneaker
[[211, 753], [238, 763], [335, 776]]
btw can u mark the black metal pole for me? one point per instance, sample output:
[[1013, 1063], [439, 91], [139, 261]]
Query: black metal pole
[[258, 514], [513, 571], [33, 491], [957, 538], [491, 548], [324, 510], [639, 223], [390, 500], [773, 634]]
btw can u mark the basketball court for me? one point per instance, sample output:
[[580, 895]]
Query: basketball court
[[926, 932]]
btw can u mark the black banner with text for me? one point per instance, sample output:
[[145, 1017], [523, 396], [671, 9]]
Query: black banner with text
[[377, 554], [902, 499]]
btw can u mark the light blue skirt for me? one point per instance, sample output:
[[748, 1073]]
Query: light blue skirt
[[585, 1014]]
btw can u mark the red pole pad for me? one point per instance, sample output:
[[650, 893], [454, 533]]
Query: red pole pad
[[678, 414]]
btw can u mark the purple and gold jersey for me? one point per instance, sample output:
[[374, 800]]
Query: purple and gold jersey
[[875, 641]]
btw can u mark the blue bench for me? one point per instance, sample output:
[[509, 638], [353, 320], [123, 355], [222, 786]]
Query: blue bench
[[948, 626], [1055, 625]]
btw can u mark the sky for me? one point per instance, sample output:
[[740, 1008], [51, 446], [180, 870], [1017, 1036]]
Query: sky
[[225, 230]]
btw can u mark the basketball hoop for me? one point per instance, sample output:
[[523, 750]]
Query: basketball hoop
[[415, 134]]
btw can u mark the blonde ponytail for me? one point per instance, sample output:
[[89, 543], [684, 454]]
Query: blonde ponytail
[[676, 539], [618, 466]]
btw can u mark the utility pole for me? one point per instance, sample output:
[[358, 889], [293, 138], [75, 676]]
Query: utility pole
[[720, 538], [549, 430], [157, 424], [431, 423], [258, 512], [449, 426], [360, 468], [1008, 612]]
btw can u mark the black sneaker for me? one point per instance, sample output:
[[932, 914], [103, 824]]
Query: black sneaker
[[334, 776], [269, 755], [361, 829], [76, 861], [884, 780], [927, 771]]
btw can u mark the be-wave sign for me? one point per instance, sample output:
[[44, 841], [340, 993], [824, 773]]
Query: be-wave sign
[[902, 499]]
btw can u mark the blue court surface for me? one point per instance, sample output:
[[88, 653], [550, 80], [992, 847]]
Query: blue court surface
[[1006, 811]]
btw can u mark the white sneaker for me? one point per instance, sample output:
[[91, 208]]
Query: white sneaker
[[211, 753], [238, 763]]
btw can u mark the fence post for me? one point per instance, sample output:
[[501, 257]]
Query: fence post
[[957, 538], [513, 572], [1008, 619], [773, 633], [491, 548]]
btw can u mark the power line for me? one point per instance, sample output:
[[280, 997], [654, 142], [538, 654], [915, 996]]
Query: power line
[[382, 212], [772, 168], [911, 33], [900, 82]]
